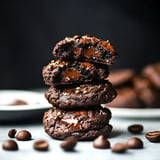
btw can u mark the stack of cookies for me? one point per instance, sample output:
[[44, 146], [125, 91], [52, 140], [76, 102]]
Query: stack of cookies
[[78, 88]]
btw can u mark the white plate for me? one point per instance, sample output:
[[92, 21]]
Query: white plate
[[135, 113], [36, 104]]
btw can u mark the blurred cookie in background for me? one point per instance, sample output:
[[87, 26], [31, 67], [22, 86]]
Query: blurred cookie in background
[[152, 72], [120, 77], [136, 89], [146, 92], [126, 98]]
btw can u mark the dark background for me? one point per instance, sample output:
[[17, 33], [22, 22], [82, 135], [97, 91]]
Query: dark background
[[30, 29]]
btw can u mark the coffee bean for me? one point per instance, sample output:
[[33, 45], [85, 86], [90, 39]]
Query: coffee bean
[[23, 135], [135, 128], [69, 144], [12, 133], [101, 142], [153, 136], [134, 143], [119, 148], [10, 145], [41, 145]]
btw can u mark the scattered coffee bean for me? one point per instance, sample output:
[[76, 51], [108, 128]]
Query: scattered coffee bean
[[135, 128], [135, 143], [12, 133], [101, 142], [153, 136], [41, 145], [119, 148], [69, 144], [10, 145], [23, 135]]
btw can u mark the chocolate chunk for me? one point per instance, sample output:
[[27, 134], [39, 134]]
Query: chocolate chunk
[[69, 144], [101, 142], [41, 145], [119, 148], [134, 143], [23, 135], [10, 145]]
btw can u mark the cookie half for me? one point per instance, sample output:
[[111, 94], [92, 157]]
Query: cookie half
[[86, 48], [82, 124], [84, 95], [68, 72]]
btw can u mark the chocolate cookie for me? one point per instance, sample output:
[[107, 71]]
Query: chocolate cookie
[[86, 48], [126, 98], [68, 72], [119, 77], [152, 72], [84, 95], [82, 124], [146, 91]]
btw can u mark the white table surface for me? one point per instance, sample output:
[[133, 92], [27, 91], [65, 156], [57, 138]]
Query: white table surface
[[83, 150]]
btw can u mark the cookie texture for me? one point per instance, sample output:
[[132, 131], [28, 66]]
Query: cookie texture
[[84, 124], [83, 95], [86, 48], [59, 72]]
